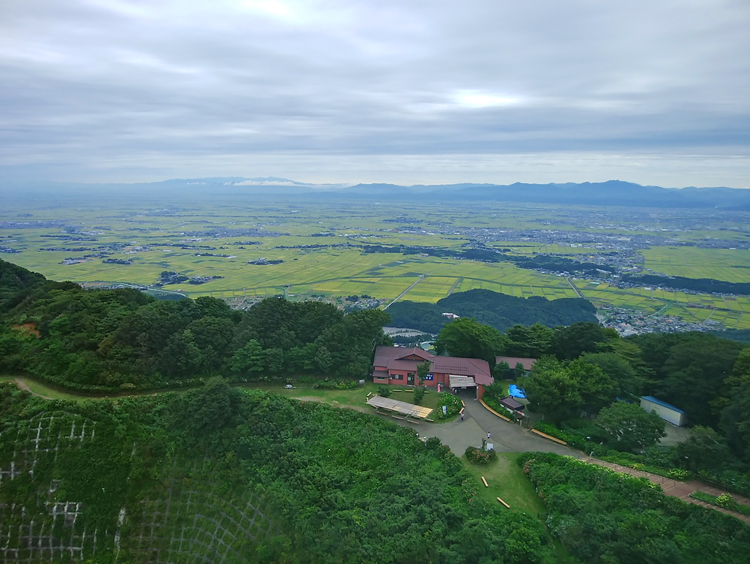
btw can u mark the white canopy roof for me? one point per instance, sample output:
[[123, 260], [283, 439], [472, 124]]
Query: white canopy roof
[[462, 381]]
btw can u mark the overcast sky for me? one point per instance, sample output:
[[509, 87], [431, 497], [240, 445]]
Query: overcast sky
[[655, 92]]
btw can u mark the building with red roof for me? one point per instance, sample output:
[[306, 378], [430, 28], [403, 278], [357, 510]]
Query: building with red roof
[[527, 363], [398, 366]]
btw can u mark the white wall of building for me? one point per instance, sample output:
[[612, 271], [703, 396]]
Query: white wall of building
[[669, 415]]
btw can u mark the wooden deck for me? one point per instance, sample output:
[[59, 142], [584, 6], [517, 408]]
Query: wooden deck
[[400, 407]]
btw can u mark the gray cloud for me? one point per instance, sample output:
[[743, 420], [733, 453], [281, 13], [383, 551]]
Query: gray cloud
[[397, 91]]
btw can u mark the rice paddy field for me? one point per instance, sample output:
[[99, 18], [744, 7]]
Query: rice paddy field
[[315, 246], [730, 265]]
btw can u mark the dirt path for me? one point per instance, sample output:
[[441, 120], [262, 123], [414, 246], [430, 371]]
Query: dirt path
[[25, 387], [678, 489]]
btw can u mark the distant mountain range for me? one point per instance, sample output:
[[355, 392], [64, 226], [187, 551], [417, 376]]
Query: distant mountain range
[[610, 193]]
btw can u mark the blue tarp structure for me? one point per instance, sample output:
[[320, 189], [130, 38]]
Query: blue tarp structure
[[516, 392]]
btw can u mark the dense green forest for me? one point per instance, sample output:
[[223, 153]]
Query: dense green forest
[[492, 308], [550, 263], [584, 369], [740, 335], [707, 285], [122, 339], [603, 517], [217, 474]]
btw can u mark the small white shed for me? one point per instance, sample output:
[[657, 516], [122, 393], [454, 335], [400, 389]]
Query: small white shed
[[668, 412]]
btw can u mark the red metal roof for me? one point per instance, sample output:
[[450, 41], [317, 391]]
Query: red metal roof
[[385, 354], [421, 353], [527, 363], [397, 364], [393, 359]]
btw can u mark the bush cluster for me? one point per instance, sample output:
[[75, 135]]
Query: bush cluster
[[418, 395], [336, 384], [575, 441], [384, 391], [479, 456], [451, 402], [601, 516]]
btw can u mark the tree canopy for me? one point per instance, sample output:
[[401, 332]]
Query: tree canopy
[[562, 391], [108, 339], [468, 338], [602, 517], [494, 309], [629, 427]]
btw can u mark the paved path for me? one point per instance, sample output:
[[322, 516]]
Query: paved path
[[477, 423], [402, 294], [577, 291], [679, 489]]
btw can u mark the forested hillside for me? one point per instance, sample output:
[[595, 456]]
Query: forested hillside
[[219, 475], [492, 308], [602, 517], [708, 285], [15, 282], [123, 339], [585, 372]]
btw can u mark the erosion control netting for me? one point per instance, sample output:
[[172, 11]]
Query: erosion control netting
[[48, 512]]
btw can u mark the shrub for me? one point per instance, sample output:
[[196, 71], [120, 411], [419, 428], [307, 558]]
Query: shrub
[[384, 391], [726, 501], [479, 456], [418, 395], [336, 385], [452, 403], [678, 474], [600, 516]]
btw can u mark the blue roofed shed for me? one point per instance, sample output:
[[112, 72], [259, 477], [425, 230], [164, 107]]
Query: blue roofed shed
[[666, 411]]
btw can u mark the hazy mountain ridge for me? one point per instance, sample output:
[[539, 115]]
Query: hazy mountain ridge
[[609, 193]]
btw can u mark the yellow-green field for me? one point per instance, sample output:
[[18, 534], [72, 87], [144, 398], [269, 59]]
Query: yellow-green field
[[730, 265], [149, 239]]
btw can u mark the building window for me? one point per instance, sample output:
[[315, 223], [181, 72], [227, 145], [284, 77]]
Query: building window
[[397, 376]]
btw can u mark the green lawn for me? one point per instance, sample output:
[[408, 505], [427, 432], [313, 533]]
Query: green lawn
[[507, 481], [356, 398], [347, 398]]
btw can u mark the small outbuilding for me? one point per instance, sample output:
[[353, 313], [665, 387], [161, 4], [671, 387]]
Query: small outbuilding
[[666, 411], [512, 404]]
